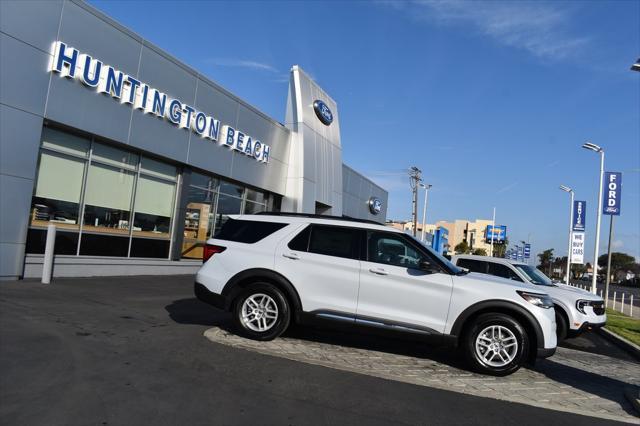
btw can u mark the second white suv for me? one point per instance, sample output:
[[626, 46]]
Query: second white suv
[[576, 310], [270, 270]]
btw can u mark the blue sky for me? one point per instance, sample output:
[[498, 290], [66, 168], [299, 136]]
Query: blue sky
[[492, 100]]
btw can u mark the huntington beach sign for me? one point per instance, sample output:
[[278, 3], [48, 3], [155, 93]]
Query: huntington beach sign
[[70, 63]]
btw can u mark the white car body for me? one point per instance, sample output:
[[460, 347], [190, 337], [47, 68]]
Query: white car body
[[565, 297], [365, 292]]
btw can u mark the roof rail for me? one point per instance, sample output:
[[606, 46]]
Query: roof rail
[[320, 216]]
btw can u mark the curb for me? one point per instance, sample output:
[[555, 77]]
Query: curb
[[633, 396], [621, 342]]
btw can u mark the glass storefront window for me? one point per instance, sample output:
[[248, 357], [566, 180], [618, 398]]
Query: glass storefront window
[[107, 200], [157, 169], [113, 156], [198, 222], [59, 182], [256, 196], [153, 207], [251, 208], [111, 202], [203, 181], [231, 189], [227, 205], [65, 142]]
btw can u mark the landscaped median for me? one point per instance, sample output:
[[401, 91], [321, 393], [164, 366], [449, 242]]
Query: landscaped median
[[624, 326]]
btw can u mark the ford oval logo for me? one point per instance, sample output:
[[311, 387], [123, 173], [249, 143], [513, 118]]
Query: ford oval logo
[[375, 205], [323, 112]]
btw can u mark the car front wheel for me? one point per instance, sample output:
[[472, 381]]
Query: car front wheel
[[261, 312], [495, 344]]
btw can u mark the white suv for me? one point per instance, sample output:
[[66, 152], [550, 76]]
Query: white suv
[[576, 310], [271, 269]]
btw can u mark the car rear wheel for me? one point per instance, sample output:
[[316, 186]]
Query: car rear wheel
[[495, 344], [261, 312]]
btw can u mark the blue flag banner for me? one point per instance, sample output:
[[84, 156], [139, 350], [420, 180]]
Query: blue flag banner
[[612, 193], [579, 215]]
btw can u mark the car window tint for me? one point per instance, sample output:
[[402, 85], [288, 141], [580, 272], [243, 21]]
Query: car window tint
[[301, 241], [247, 231], [503, 271], [334, 241], [473, 265], [391, 249]]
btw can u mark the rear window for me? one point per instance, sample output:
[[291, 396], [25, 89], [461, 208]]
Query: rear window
[[473, 265], [247, 231], [335, 241]]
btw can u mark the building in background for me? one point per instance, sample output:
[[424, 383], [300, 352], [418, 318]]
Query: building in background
[[457, 231], [137, 158]]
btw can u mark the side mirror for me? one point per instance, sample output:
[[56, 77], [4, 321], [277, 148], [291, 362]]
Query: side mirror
[[427, 266]]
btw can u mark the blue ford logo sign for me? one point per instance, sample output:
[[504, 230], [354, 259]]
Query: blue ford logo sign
[[323, 112], [375, 205]]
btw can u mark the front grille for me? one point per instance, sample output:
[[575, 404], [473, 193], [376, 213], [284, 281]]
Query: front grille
[[598, 307]]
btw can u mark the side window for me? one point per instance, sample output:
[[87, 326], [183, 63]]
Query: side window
[[473, 265], [503, 271], [391, 249], [247, 231], [301, 241], [335, 241]]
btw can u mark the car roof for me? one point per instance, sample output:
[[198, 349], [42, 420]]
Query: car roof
[[329, 220], [487, 259]]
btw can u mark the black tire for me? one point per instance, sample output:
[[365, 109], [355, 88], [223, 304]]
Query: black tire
[[283, 311], [475, 359], [562, 327]]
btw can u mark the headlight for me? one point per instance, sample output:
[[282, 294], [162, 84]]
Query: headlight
[[580, 304], [540, 300]]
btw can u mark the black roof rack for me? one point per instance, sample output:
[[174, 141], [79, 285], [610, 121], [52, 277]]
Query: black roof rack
[[320, 216]]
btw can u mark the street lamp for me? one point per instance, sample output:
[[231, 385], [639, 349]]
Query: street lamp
[[595, 148], [570, 191], [424, 210]]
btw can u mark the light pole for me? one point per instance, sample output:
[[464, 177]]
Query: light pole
[[424, 210], [599, 150], [570, 191], [493, 231]]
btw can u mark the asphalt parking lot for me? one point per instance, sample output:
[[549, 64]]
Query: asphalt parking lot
[[142, 350]]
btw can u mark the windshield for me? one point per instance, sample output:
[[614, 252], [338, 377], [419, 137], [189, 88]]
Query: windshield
[[534, 275], [447, 264]]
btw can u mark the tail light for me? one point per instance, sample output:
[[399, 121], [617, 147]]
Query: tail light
[[210, 250]]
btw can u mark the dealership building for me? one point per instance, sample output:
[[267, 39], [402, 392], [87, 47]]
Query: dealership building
[[137, 158]]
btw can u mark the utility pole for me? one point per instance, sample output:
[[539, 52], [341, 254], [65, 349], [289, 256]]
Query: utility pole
[[414, 179]]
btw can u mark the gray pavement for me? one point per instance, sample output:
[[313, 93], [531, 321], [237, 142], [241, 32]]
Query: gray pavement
[[123, 351]]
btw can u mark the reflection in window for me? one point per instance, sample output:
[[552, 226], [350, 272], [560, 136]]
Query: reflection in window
[[203, 181], [107, 199], [231, 189], [251, 208]]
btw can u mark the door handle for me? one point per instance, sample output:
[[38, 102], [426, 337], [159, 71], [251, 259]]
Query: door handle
[[378, 271], [293, 256]]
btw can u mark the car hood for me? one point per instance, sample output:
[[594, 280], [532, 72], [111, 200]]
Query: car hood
[[566, 291]]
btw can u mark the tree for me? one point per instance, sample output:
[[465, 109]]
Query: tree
[[619, 262], [480, 252], [546, 258], [499, 250], [462, 248], [577, 270]]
